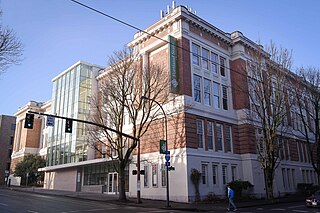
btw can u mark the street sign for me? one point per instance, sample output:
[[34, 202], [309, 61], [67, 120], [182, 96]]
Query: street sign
[[167, 152], [50, 121], [167, 157], [163, 146], [167, 163]]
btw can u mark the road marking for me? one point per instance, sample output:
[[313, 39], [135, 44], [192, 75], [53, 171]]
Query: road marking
[[3, 204], [277, 209], [294, 210], [31, 211], [260, 209]]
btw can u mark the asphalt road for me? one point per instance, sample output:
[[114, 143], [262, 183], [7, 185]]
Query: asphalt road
[[296, 207], [22, 202]]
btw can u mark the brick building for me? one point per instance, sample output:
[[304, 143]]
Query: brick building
[[210, 134], [7, 128], [29, 141]]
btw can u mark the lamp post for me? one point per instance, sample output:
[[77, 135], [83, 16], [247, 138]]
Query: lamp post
[[166, 132]]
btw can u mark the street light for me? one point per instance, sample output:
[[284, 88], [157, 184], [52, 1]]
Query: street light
[[166, 129]]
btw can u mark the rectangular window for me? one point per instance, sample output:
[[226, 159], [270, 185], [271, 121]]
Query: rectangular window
[[222, 66], [215, 174], [224, 174], [163, 175], [195, 54], [293, 178], [210, 135], [205, 58], [225, 97], [207, 92], [234, 173], [288, 177], [216, 95], [200, 133], [284, 178], [214, 62], [228, 139], [155, 175], [197, 88], [204, 173], [145, 177], [219, 137]]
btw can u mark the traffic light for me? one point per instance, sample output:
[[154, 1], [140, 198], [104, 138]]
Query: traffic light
[[28, 123], [68, 126]]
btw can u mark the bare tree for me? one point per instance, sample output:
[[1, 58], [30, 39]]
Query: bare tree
[[120, 90], [267, 82], [308, 103], [11, 48]]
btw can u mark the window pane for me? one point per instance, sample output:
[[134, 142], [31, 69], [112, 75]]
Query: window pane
[[207, 92], [205, 58], [210, 135], [195, 54], [228, 138], [214, 174], [197, 88], [145, 177], [214, 60], [219, 137], [216, 95], [204, 173], [224, 175], [222, 66], [155, 175], [225, 97], [200, 133]]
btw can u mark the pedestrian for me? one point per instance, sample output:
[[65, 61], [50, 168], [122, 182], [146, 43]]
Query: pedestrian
[[231, 205]]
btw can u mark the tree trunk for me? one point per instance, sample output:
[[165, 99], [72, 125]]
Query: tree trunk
[[268, 175], [122, 183]]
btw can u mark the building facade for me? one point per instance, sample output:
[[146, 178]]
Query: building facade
[[72, 90], [7, 129], [29, 141], [210, 134]]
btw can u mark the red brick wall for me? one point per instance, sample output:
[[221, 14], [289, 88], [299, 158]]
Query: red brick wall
[[239, 84]]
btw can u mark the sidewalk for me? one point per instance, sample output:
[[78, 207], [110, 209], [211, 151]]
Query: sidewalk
[[194, 207]]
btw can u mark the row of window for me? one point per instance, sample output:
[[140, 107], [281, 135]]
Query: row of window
[[215, 138], [208, 60], [154, 176], [218, 174], [284, 148], [309, 176], [210, 93]]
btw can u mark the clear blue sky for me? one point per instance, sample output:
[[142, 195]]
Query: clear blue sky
[[58, 33]]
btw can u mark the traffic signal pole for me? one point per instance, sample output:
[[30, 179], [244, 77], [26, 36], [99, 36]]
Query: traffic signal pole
[[87, 122]]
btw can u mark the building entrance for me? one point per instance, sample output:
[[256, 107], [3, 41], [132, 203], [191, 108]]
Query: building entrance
[[112, 183]]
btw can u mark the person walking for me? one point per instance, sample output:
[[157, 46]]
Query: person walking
[[231, 205]]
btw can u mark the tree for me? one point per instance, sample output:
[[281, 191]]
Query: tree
[[29, 168], [10, 48], [267, 82], [120, 91], [308, 106]]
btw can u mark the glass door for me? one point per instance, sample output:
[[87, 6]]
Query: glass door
[[113, 183]]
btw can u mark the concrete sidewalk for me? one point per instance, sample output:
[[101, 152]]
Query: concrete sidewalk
[[160, 204]]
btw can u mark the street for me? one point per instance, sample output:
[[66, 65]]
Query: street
[[24, 202]]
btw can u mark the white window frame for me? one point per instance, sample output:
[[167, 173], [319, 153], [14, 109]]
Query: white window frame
[[195, 54], [214, 63], [197, 89], [200, 133], [216, 95], [207, 92], [229, 143], [217, 126], [204, 173], [210, 135], [205, 58]]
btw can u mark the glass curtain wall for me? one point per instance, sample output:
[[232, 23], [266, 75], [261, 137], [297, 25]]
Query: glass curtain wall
[[70, 93]]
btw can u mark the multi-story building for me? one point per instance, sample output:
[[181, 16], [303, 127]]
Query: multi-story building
[[7, 128], [29, 141], [209, 135], [71, 94]]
